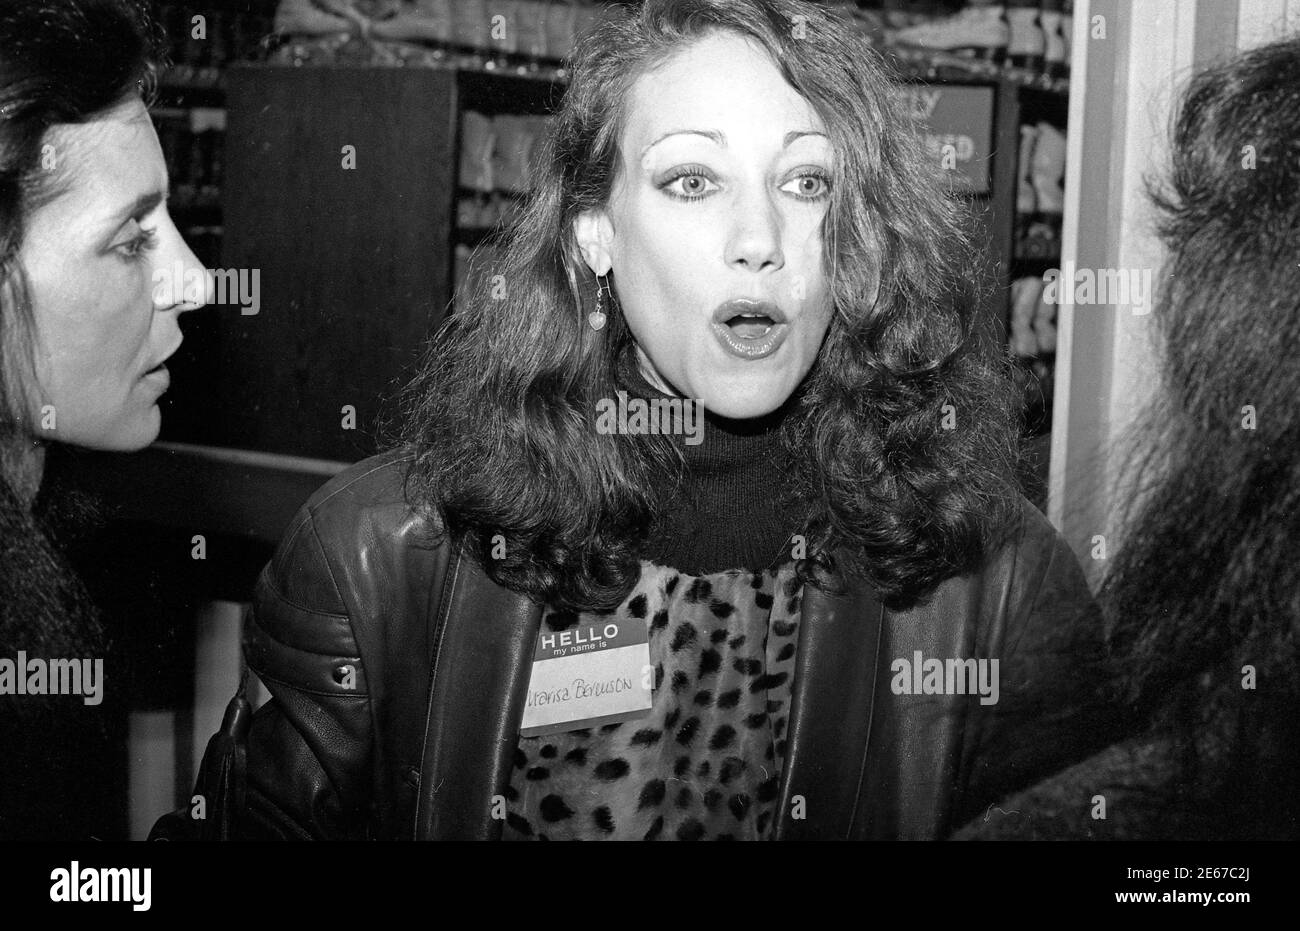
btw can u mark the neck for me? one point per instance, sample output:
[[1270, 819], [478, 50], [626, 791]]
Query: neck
[[22, 462], [733, 509]]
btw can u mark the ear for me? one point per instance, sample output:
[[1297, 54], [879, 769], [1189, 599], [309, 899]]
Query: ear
[[595, 234]]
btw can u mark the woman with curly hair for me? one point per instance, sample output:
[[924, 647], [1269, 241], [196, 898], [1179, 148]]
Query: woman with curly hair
[[732, 222]]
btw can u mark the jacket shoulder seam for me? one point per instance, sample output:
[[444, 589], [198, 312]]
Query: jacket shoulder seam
[[377, 467], [293, 603], [338, 592]]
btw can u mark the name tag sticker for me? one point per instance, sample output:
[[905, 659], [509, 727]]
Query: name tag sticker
[[588, 675]]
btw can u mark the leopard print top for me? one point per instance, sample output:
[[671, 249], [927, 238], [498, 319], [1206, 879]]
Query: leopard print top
[[705, 762]]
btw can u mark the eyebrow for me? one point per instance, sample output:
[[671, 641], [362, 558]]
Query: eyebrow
[[141, 205], [721, 138]]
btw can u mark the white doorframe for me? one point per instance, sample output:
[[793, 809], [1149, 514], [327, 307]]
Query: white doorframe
[[1130, 59]]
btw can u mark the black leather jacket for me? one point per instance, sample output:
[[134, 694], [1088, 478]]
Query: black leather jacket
[[398, 671]]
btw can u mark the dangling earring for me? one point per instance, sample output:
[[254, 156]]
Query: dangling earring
[[597, 317]]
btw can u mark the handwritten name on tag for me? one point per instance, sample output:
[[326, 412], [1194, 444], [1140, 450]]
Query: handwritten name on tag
[[590, 674]]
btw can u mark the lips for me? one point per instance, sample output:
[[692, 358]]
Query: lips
[[163, 361], [748, 319], [750, 329]]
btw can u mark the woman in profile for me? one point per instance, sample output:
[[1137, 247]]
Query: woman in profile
[[732, 217], [1203, 600], [84, 334]]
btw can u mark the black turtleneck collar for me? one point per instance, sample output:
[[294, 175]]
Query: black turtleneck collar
[[733, 509]]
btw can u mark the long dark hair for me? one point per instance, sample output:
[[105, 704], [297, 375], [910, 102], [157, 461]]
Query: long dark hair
[[1207, 583], [502, 415], [61, 62]]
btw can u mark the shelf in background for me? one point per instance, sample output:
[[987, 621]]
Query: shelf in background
[[242, 493]]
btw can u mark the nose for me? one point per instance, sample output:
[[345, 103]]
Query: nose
[[192, 285], [755, 239]]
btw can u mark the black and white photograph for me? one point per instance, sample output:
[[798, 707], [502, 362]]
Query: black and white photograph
[[650, 420]]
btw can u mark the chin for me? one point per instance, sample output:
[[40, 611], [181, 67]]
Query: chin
[[144, 434], [734, 401], [131, 436]]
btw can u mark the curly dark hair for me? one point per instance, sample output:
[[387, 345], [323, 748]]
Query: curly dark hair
[[912, 491], [1207, 582]]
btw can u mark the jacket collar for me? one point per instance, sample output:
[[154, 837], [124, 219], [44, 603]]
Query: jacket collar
[[484, 639]]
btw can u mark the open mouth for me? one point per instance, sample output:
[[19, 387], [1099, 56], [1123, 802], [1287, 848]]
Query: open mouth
[[750, 329], [750, 326]]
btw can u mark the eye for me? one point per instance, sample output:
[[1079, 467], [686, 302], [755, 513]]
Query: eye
[[809, 184], [140, 244], [690, 182]]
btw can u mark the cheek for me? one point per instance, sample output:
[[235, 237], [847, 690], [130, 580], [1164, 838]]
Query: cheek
[[660, 273], [805, 248], [814, 283], [815, 334], [93, 344], [97, 341], [820, 316]]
